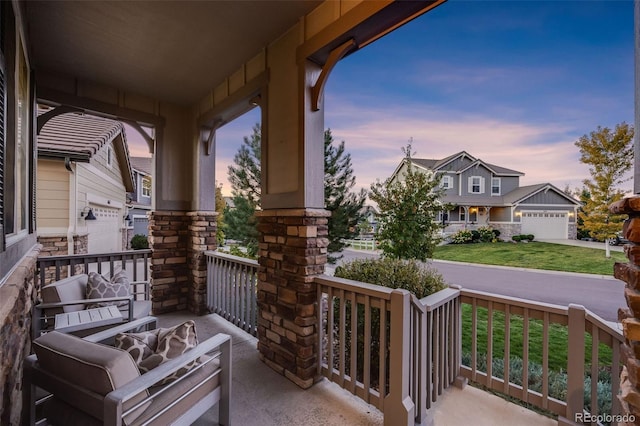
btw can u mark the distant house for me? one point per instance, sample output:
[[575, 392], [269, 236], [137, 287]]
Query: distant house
[[140, 199], [83, 173], [482, 194]]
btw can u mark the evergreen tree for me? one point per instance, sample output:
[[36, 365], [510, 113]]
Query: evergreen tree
[[344, 204], [240, 223], [609, 155], [220, 207], [407, 212], [244, 176]]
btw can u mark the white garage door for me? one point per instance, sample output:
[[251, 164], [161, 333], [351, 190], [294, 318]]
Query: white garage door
[[546, 225], [105, 234]]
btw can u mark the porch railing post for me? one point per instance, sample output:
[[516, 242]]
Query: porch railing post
[[575, 365], [399, 409]]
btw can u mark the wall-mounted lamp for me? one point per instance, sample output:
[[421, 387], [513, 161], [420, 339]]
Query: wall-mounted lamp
[[518, 214], [570, 214], [127, 217], [89, 214]]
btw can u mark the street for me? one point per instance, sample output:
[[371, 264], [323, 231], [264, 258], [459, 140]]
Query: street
[[601, 295]]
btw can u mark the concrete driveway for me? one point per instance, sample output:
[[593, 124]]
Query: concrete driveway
[[580, 243]]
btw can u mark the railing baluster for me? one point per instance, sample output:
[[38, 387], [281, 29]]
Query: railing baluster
[[507, 348], [353, 368], [489, 381], [595, 343], [382, 380], [342, 336], [366, 368], [525, 355], [330, 328], [545, 361], [474, 340]]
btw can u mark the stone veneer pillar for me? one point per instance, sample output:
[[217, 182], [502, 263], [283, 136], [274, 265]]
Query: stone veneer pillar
[[292, 251], [178, 270], [630, 317], [202, 237]]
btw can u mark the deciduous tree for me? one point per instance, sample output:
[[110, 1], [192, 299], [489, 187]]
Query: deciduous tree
[[408, 206], [609, 154]]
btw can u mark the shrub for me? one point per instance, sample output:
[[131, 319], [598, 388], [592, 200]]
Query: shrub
[[516, 238], [530, 237], [394, 273], [462, 237], [496, 233], [475, 236], [237, 251], [139, 242], [486, 234]]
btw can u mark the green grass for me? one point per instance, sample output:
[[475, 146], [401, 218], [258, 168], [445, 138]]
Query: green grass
[[558, 339], [535, 255]]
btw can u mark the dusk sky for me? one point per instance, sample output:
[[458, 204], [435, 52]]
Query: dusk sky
[[514, 83]]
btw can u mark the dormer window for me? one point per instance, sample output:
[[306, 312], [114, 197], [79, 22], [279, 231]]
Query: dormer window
[[446, 182], [495, 186]]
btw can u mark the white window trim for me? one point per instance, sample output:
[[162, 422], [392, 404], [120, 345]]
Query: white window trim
[[462, 214], [142, 194], [447, 182], [480, 185], [499, 186]]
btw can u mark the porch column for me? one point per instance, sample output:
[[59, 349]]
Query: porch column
[[293, 224]]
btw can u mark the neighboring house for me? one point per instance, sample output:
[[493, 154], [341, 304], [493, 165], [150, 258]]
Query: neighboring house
[[83, 172], [483, 194], [369, 215], [140, 199]]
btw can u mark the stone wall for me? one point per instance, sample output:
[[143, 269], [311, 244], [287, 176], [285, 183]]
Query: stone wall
[[292, 251], [629, 272], [17, 296], [178, 268]]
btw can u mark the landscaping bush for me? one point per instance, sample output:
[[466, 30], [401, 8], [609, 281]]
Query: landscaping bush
[[496, 233], [486, 234], [462, 237], [475, 236], [530, 237], [516, 238], [139, 242], [394, 273]]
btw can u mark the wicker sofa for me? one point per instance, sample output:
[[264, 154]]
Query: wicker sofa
[[97, 384]]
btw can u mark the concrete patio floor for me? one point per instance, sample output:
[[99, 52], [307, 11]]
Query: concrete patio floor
[[261, 397]]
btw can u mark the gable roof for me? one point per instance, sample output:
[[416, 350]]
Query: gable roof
[[79, 137], [522, 193], [436, 164], [142, 164]]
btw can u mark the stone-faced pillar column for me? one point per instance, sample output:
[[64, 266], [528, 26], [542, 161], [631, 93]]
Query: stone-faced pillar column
[[292, 251], [630, 317], [202, 237], [168, 237]]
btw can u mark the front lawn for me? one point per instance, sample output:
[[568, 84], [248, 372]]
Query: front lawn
[[535, 255]]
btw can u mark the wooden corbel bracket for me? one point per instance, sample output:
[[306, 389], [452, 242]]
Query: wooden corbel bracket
[[59, 110], [335, 55], [211, 139]]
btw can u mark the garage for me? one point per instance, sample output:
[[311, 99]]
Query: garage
[[105, 233], [546, 225]]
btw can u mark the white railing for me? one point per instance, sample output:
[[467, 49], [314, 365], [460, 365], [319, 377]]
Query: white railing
[[231, 289], [577, 323], [362, 244]]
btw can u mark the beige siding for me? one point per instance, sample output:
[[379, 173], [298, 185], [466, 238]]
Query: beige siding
[[52, 195]]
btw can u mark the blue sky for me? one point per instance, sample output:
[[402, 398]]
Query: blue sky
[[514, 83]]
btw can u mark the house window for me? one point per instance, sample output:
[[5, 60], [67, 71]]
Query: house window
[[16, 152], [463, 214], [447, 182], [495, 186], [146, 186], [476, 185]]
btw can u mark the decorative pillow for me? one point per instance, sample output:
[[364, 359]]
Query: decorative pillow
[[153, 348], [99, 287], [139, 345]]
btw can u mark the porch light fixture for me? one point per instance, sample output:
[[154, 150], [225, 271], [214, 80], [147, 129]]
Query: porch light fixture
[[127, 217], [518, 214], [89, 214]]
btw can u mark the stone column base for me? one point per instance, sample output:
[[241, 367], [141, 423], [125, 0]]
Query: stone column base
[[292, 251]]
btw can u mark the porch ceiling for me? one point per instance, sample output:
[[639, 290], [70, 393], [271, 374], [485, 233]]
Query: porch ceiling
[[170, 50]]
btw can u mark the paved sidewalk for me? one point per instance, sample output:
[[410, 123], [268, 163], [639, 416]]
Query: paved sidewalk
[[580, 243]]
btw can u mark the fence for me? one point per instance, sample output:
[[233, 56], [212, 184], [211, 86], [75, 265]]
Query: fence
[[584, 335], [231, 289], [362, 244], [134, 263]]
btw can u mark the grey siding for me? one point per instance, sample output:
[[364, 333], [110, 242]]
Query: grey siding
[[457, 164], [550, 197], [476, 171], [524, 207], [509, 183]]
